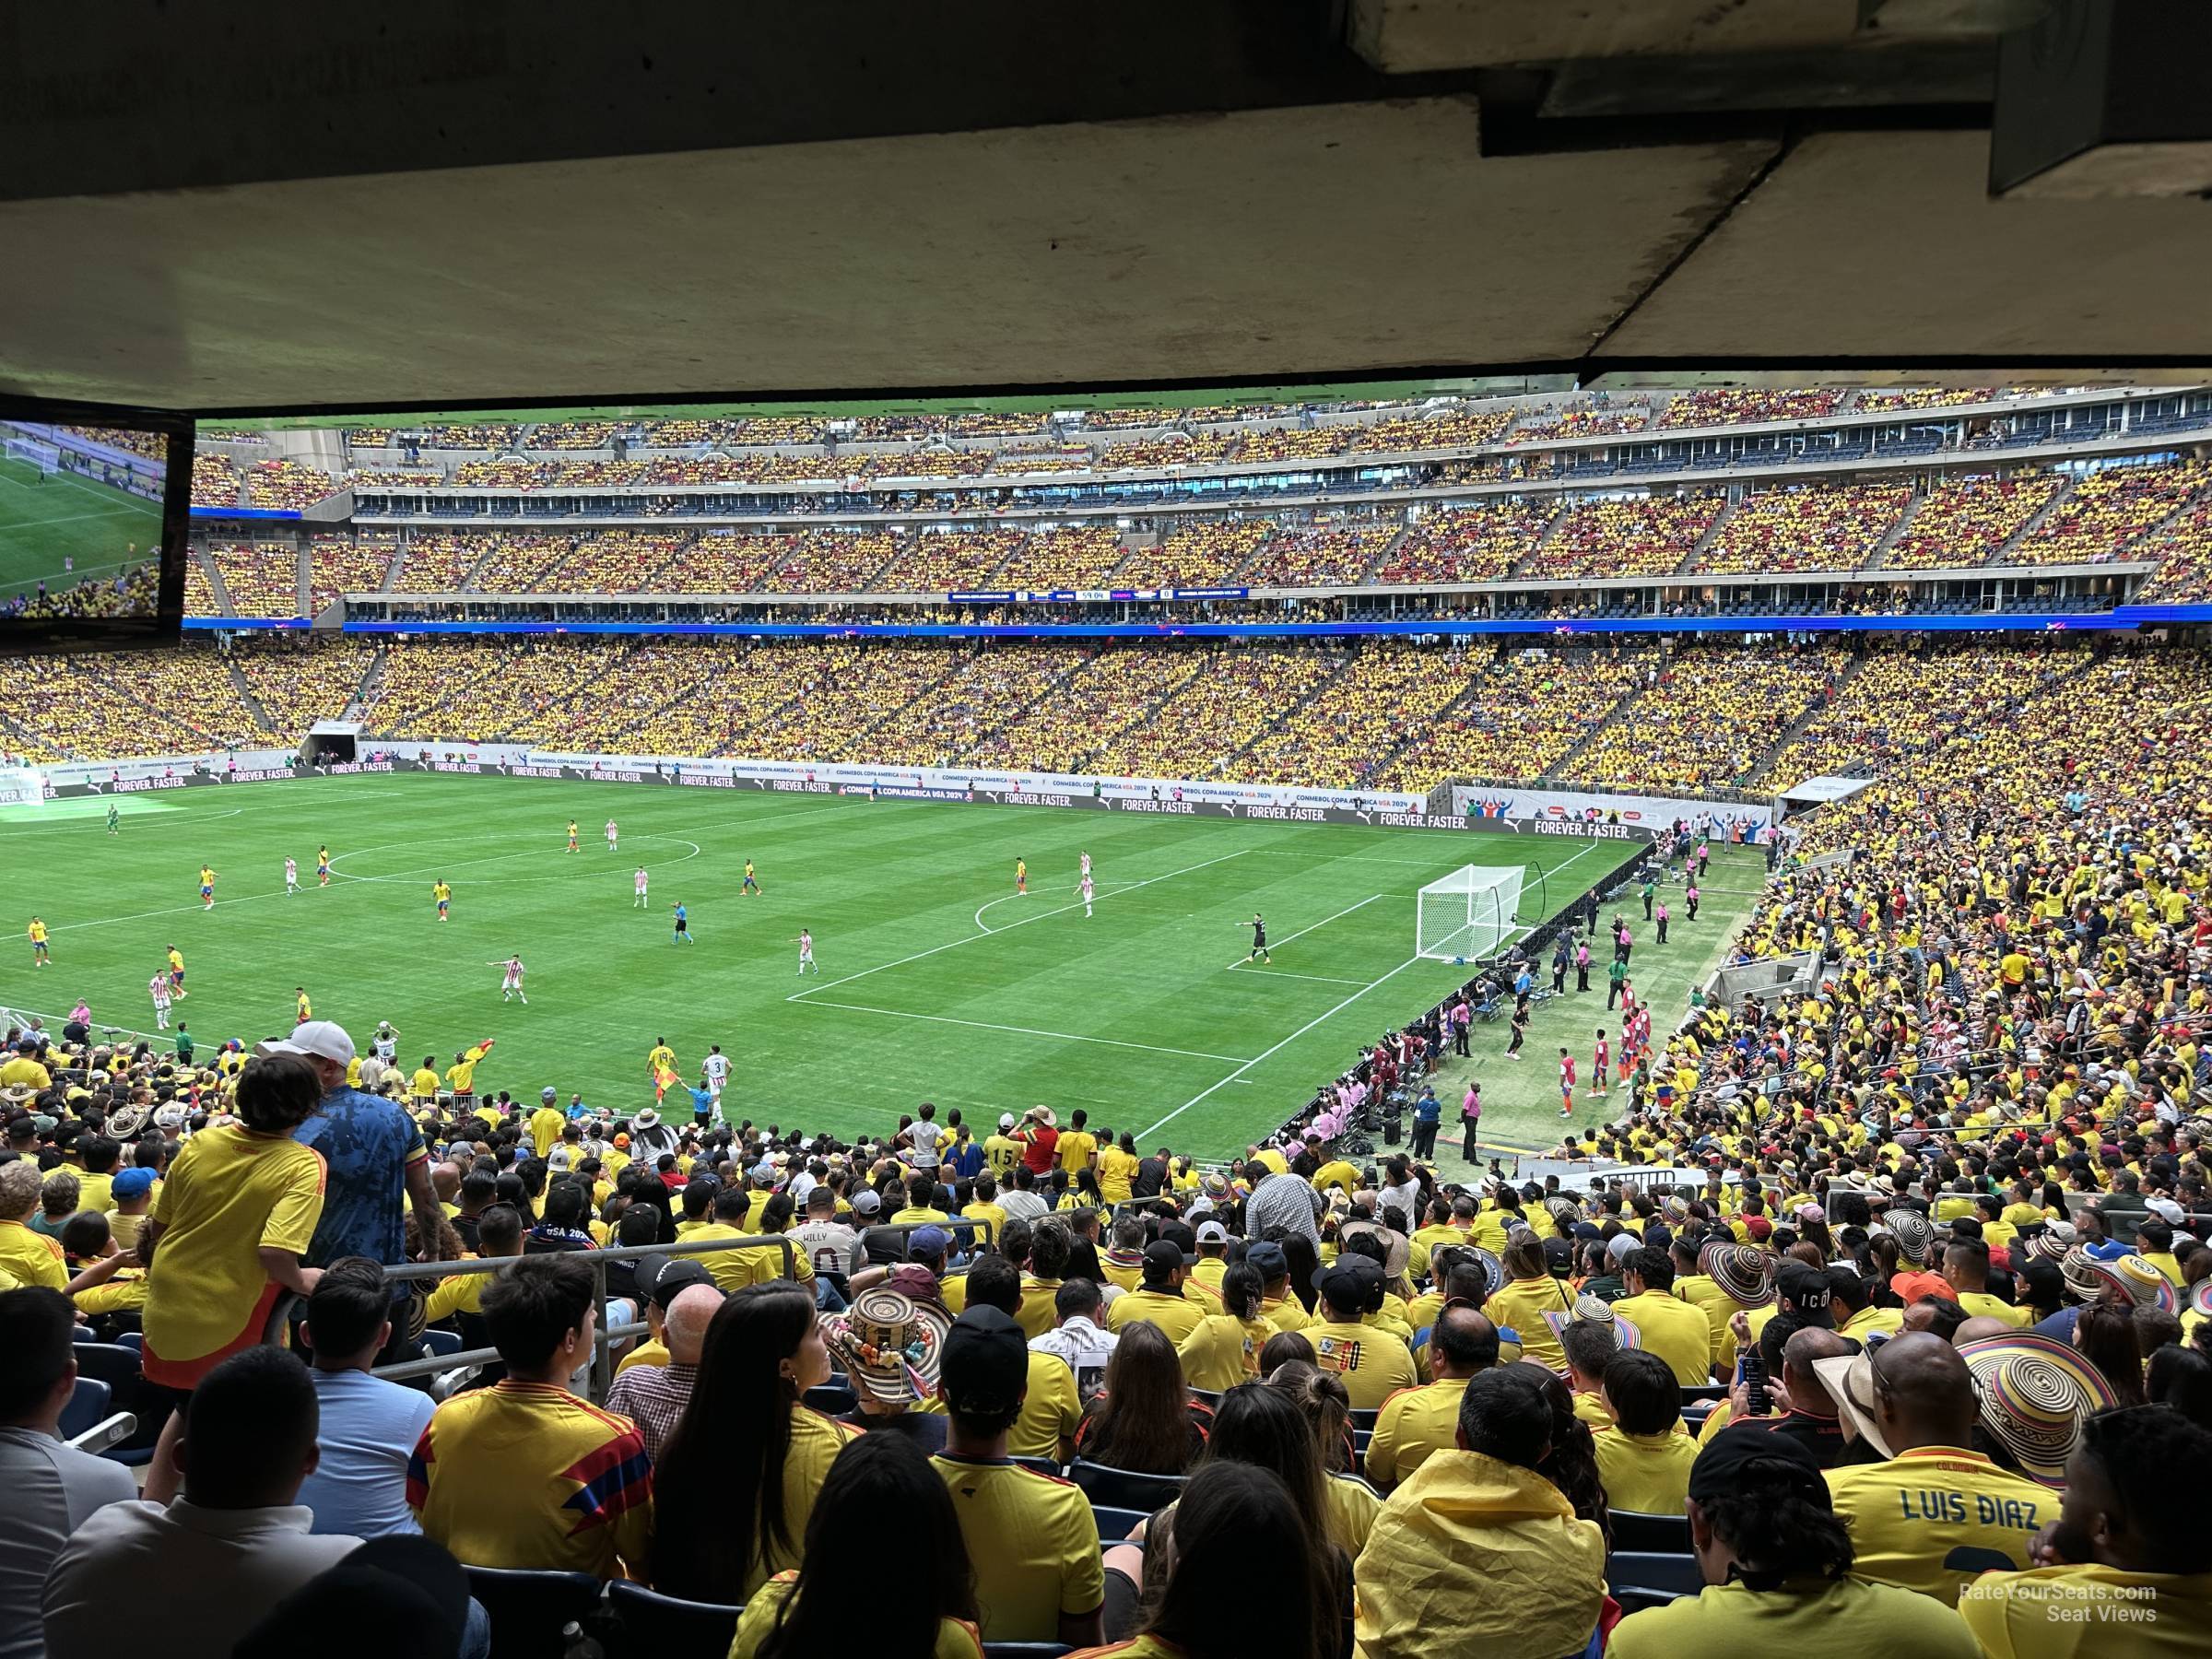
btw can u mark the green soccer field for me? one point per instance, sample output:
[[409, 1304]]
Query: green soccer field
[[936, 982], [47, 525]]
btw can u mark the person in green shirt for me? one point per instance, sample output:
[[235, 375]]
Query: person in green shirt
[[183, 1043], [112, 819], [1615, 977], [1646, 893]]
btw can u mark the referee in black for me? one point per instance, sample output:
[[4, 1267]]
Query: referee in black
[[1259, 940]]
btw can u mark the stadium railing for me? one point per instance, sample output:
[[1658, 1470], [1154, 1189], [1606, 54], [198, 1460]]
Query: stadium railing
[[290, 1307], [434, 1364]]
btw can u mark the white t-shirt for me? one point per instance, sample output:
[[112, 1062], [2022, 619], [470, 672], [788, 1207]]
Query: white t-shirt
[[717, 1068], [831, 1246], [926, 1137]]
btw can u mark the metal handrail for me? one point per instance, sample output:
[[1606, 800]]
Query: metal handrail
[[281, 1315]]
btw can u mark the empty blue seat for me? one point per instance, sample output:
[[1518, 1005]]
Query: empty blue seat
[[528, 1609], [1125, 1488], [87, 1404], [668, 1624]]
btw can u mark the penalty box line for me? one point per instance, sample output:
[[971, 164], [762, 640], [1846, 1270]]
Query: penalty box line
[[1238, 1074], [1303, 932], [813, 990], [984, 1025]]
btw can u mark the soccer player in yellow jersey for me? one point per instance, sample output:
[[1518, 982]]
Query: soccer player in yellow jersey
[[572, 835], [307, 1011], [323, 866], [444, 895], [206, 887], [1021, 876], [176, 974], [749, 885], [660, 1058], [39, 956]]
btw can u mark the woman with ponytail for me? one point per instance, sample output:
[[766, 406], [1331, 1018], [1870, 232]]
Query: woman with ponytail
[[1223, 1350]]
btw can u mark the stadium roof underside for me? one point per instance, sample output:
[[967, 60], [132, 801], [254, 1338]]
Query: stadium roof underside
[[415, 203]]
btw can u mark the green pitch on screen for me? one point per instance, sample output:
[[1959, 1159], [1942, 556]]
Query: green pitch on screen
[[64, 517], [937, 983]]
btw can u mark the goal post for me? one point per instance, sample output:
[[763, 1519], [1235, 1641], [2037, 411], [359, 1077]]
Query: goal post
[[33, 451], [1469, 914]]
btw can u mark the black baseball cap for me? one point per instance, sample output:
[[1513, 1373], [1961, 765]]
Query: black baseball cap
[[1267, 1259], [1719, 1468], [1349, 1281], [1162, 1257], [986, 1366], [661, 1278], [1806, 1289]]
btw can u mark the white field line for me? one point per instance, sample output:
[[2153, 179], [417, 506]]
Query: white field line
[[1303, 932], [1238, 1074], [993, 932], [1319, 978], [984, 1025], [78, 518]]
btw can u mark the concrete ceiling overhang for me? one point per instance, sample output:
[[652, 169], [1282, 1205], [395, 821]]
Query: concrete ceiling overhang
[[561, 202]]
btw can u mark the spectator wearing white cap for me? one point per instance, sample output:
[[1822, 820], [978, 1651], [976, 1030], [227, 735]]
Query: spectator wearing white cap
[[1213, 1249], [375, 1159]]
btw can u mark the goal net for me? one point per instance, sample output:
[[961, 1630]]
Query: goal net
[[32, 452], [1469, 915]]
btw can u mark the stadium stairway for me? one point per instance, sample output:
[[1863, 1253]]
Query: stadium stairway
[[357, 706], [2150, 538], [1167, 687], [1696, 552], [1563, 768], [468, 577], [1291, 713], [2035, 522], [245, 695], [1382, 555], [1758, 774], [390, 576], [1879, 554], [1551, 531], [215, 580], [1414, 739]]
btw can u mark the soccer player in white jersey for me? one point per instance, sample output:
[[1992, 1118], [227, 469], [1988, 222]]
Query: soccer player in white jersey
[[1087, 866], [715, 1068], [291, 874], [511, 986], [610, 835], [806, 943], [158, 988], [641, 904], [1086, 889]]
